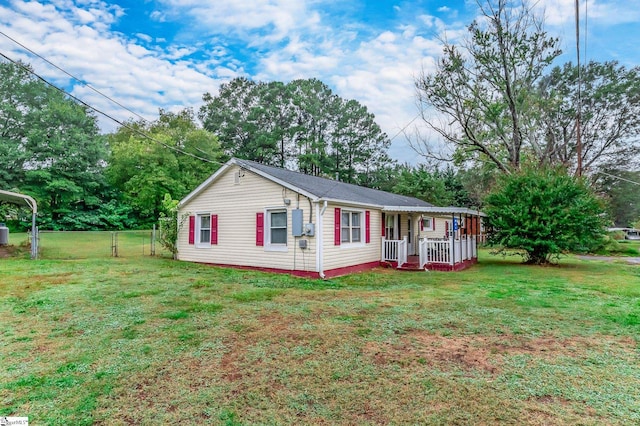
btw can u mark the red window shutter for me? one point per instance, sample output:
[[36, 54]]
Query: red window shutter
[[384, 223], [421, 224], [337, 214], [214, 229], [192, 229], [260, 229], [367, 226]]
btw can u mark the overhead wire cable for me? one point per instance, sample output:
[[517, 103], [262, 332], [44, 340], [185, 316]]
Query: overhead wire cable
[[121, 123], [405, 127], [84, 83]]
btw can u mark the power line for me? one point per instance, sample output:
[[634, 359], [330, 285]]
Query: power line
[[122, 124], [619, 178], [73, 77], [579, 114], [405, 127]]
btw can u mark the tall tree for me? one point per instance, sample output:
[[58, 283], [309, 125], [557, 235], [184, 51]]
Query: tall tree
[[442, 187], [301, 125], [608, 95], [482, 95], [50, 146], [622, 189], [176, 156]]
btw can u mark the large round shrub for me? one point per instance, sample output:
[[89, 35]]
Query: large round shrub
[[543, 213]]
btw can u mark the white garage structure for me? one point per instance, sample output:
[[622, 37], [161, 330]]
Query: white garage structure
[[22, 200]]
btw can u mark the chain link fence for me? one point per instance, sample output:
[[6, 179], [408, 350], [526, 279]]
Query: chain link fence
[[99, 244]]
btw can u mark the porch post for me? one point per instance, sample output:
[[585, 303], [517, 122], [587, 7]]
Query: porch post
[[453, 240]]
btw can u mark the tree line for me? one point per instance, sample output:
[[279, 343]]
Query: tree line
[[497, 99], [51, 147]]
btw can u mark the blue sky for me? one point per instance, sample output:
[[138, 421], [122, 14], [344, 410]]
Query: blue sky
[[151, 54]]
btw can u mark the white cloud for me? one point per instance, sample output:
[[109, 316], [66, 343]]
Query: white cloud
[[282, 40], [139, 78]]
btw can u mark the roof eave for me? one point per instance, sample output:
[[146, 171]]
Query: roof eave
[[239, 163], [351, 203], [274, 179], [433, 209]]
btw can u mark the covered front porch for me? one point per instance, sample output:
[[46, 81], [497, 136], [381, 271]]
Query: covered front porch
[[434, 238]]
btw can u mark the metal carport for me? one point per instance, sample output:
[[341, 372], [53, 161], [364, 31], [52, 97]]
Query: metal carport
[[21, 200]]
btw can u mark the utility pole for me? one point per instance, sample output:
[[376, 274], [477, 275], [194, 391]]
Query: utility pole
[[578, 115]]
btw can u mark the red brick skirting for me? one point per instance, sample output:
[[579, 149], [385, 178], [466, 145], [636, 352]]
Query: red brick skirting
[[331, 273], [303, 274]]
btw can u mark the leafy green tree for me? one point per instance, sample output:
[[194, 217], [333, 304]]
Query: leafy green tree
[[50, 147], [622, 189], [543, 213], [175, 158], [422, 183], [440, 187], [301, 125], [235, 116]]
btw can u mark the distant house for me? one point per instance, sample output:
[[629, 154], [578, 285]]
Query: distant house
[[254, 216]]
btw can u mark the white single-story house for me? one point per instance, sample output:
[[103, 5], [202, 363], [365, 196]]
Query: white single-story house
[[250, 215]]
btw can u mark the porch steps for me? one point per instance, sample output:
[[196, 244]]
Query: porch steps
[[412, 264], [410, 267]]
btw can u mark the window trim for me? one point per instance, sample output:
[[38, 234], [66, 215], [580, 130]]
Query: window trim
[[198, 228], [431, 222], [268, 245], [362, 242]]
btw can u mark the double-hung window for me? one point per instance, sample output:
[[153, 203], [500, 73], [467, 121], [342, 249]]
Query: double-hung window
[[276, 237], [204, 229], [351, 227]]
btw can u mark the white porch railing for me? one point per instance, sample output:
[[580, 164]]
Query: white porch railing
[[447, 251], [402, 252], [395, 251]]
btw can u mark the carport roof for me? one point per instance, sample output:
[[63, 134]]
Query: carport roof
[[19, 199]]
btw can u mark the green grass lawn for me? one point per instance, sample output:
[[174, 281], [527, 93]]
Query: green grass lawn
[[141, 340]]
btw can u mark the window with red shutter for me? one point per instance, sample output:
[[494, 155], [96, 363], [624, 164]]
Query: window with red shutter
[[214, 229], [337, 214], [192, 229], [367, 226], [260, 229]]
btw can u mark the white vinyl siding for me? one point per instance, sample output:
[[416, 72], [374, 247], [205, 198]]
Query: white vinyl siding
[[437, 231], [236, 205], [344, 255]]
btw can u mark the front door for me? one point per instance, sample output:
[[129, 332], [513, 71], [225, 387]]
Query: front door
[[410, 249], [390, 229]]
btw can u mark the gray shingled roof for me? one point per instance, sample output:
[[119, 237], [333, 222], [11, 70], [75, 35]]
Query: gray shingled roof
[[335, 190]]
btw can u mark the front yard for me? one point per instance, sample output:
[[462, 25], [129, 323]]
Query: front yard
[[145, 340]]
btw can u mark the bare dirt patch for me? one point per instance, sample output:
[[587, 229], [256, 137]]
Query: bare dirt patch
[[6, 251], [474, 353]]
